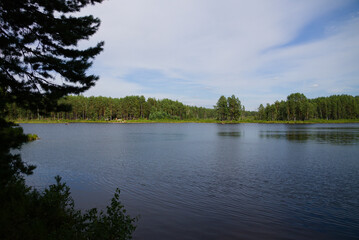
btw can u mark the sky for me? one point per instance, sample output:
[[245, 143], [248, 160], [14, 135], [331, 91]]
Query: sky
[[194, 51]]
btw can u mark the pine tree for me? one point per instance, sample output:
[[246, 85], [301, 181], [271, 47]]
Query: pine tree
[[234, 108], [222, 108], [39, 58], [39, 63]]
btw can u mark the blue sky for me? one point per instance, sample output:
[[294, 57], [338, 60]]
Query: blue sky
[[195, 51]]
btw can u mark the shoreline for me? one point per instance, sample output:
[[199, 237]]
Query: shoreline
[[318, 121]]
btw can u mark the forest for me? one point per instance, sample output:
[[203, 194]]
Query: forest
[[297, 107], [106, 108]]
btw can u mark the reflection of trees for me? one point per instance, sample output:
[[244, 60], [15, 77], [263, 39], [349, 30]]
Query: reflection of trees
[[229, 134], [331, 137]]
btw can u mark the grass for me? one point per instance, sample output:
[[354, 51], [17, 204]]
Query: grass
[[32, 137], [189, 121]]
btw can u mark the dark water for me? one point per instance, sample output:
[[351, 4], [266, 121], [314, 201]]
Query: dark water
[[210, 181]]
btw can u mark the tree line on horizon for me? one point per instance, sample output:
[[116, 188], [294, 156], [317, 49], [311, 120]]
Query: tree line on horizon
[[297, 107], [107, 108]]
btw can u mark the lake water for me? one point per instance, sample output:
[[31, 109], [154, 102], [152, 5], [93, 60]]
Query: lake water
[[210, 181]]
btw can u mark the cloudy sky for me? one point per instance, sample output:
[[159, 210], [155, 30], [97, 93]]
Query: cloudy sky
[[195, 51]]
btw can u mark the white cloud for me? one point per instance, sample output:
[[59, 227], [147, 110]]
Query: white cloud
[[114, 87], [224, 45], [330, 62]]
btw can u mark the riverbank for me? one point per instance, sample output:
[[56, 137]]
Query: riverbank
[[313, 121]]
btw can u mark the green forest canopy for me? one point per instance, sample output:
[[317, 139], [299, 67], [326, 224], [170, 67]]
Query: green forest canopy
[[296, 107]]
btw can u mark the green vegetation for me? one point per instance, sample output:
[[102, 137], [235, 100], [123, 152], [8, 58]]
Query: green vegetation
[[229, 108], [39, 64], [244, 120], [107, 109], [32, 137], [136, 109], [50, 214], [299, 108], [39, 59]]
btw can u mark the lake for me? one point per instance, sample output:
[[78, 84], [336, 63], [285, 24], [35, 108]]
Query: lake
[[209, 181]]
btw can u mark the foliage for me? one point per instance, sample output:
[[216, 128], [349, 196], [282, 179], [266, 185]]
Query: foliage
[[299, 108], [261, 112], [32, 137], [39, 58], [127, 108], [234, 108], [28, 213], [228, 108], [11, 165], [51, 215], [297, 105], [222, 108], [39, 63], [162, 115]]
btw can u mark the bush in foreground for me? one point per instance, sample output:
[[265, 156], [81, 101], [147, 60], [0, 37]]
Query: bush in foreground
[[30, 214], [27, 213]]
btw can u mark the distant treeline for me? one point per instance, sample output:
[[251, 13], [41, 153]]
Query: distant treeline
[[298, 107], [105, 108]]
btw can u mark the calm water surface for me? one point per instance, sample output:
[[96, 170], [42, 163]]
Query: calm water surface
[[210, 181]]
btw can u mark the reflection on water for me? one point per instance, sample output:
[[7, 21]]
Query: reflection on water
[[229, 134], [210, 181], [331, 135]]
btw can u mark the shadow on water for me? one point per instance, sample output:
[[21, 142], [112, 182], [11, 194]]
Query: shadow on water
[[229, 134], [336, 136]]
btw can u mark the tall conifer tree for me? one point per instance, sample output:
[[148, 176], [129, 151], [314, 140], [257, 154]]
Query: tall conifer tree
[[40, 60]]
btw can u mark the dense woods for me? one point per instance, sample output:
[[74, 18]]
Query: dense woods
[[298, 107], [104, 108]]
